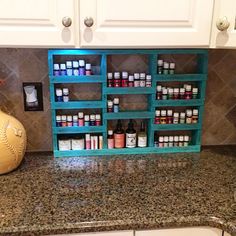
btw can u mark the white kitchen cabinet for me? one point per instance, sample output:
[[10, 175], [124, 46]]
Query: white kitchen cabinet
[[224, 17], [193, 231], [150, 23], [37, 23], [115, 233]]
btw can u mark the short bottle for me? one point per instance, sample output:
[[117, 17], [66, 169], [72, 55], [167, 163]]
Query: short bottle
[[188, 92], [161, 142], [88, 69], [131, 81], [63, 121], [195, 116], [182, 93], [117, 82], [109, 106], [160, 67], [59, 97], [131, 135], [69, 70], [69, 121], [87, 141], [92, 121], [56, 69], [166, 68], [63, 69], [194, 93], [176, 93], [164, 93], [116, 105], [176, 141], [181, 141], [166, 141], [163, 118], [124, 81], [136, 80], [65, 92], [142, 80], [182, 118], [172, 68], [170, 93], [81, 67], [159, 92], [189, 114], [98, 120], [110, 140], [119, 136], [186, 140], [169, 117], [148, 81], [75, 65], [109, 80], [58, 121], [142, 136], [75, 120], [80, 119], [176, 118], [86, 120], [157, 117], [171, 141]]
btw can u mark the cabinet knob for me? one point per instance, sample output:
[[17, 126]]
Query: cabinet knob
[[88, 21], [222, 24], [66, 21]]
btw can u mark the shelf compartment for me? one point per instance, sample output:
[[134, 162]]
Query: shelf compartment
[[125, 151], [170, 127], [77, 79], [129, 115], [174, 103], [129, 90], [81, 129], [78, 104], [180, 77]]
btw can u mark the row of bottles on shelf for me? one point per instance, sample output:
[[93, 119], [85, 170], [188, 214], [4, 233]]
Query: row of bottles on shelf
[[169, 93], [190, 116], [172, 141], [72, 68], [129, 138], [125, 80], [164, 67], [78, 120], [87, 142]]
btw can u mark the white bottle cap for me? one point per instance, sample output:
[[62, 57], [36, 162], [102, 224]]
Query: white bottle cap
[[92, 117], [131, 78], [87, 137], [98, 117], [170, 90], [116, 101], [176, 115], [117, 75], [56, 66], [69, 64], [159, 88], [188, 87], [86, 117], [109, 103], [148, 77], [110, 132], [81, 115], [171, 138], [182, 115], [172, 65], [195, 90], [164, 91], [166, 65], [65, 91], [124, 75], [195, 112], [75, 64], [69, 118], [161, 139], [160, 62], [166, 139], [75, 118], [169, 112], [181, 138], [88, 66], [186, 138], [63, 66], [59, 92], [109, 75], [142, 75], [176, 90], [189, 112], [163, 112], [182, 90], [176, 138], [136, 75], [158, 112], [63, 118], [81, 63], [58, 118]]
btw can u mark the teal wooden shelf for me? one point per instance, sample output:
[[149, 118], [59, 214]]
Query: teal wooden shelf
[[152, 55], [180, 77], [176, 127], [82, 129], [129, 90], [174, 103], [78, 105], [129, 115], [77, 79], [126, 151]]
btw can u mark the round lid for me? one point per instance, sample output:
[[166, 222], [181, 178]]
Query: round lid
[[164, 91], [81, 63], [69, 118], [195, 112], [182, 115], [148, 77], [181, 138], [170, 90], [98, 117], [136, 75], [109, 75], [58, 118], [163, 112], [171, 138], [176, 90], [110, 103], [195, 90], [172, 65], [189, 112], [157, 112], [116, 101], [117, 75], [86, 117], [87, 136], [160, 62], [75, 118], [63, 66], [65, 91], [75, 64], [56, 66], [124, 75], [63, 118], [142, 75], [161, 139], [159, 88], [166, 139], [166, 65], [186, 138], [131, 78], [110, 132], [92, 117], [176, 138], [182, 90], [169, 112], [188, 87], [81, 115], [88, 66], [69, 64], [176, 114], [59, 92]]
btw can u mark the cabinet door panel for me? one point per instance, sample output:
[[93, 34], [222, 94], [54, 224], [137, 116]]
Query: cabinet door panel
[[36, 23], [146, 23], [227, 38], [181, 232]]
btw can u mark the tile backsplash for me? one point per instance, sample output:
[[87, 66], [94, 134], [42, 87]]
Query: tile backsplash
[[27, 65]]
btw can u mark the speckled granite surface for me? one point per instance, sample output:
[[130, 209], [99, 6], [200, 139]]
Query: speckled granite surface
[[48, 196]]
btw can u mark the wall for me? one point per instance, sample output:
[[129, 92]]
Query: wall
[[26, 65]]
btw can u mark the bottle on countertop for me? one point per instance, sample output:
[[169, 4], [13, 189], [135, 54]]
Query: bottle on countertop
[[142, 136], [119, 136], [131, 135]]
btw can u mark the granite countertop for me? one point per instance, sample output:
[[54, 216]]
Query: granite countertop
[[50, 196]]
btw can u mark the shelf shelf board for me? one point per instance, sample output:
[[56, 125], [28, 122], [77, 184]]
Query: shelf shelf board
[[146, 150], [180, 77], [174, 103], [78, 104], [129, 90], [176, 127], [77, 79], [129, 115], [82, 129]]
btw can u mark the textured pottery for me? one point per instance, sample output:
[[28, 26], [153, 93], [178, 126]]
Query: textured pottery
[[12, 143]]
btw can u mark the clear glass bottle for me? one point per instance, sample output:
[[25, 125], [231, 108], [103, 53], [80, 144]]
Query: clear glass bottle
[[119, 136], [131, 135], [142, 136]]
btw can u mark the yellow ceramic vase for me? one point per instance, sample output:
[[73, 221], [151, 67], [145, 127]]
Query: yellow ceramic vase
[[12, 143]]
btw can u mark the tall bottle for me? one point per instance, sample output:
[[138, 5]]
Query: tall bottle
[[142, 136], [131, 135], [119, 135]]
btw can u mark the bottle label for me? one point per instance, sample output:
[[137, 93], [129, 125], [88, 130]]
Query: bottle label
[[119, 140], [131, 140], [110, 143], [142, 141]]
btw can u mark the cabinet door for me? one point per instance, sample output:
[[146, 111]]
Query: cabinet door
[[181, 232], [225, 11], [36, 23], [150, 23]]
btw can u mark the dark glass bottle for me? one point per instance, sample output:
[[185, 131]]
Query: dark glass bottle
[[131, 135], [119, 135]]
